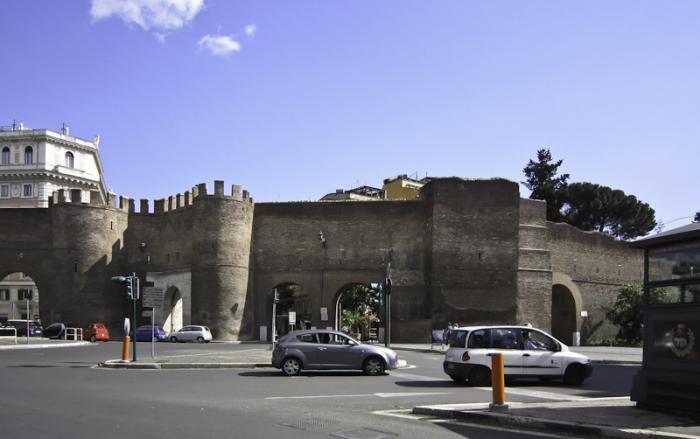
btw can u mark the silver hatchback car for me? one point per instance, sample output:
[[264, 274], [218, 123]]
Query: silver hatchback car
[[200, 334], [326, 349]]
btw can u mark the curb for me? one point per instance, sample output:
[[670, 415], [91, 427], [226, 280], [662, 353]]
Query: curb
[[118, 364], [543, 425]]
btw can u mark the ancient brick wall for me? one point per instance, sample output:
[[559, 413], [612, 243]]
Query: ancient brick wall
[[598, 265]]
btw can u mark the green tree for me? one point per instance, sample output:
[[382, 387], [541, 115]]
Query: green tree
[[360, 307], [544, 183], [591, 206], [697, 217], [627, 312]]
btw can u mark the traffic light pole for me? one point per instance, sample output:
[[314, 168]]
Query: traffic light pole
[[134, 298]]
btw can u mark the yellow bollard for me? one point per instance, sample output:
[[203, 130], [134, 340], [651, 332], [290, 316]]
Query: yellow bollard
[[498, 385], [125, 348]]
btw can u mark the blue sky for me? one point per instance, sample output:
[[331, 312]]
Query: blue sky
[[293, 99]]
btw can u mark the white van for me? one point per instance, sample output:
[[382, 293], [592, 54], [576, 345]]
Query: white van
[[527, 352]]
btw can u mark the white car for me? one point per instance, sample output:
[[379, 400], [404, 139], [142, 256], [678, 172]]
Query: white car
[[527, 352], [196, 333]]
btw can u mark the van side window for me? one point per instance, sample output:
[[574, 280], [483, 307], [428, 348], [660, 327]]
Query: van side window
[[458, 339], [479, 339], [505, 338]]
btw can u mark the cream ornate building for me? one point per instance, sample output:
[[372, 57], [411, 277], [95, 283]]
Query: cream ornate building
[[33, 164]]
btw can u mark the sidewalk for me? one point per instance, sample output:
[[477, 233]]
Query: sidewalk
[[258, 355], [592, 417]]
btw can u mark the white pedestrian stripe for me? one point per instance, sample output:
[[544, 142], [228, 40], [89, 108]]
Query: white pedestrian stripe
[[363, 395]]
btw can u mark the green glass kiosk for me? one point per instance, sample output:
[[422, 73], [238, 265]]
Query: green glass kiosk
[[670, 375]]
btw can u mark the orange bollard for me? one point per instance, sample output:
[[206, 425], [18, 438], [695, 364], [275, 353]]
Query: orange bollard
[[125, 348], [498, 384]]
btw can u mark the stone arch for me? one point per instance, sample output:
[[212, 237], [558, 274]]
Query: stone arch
[[566, 308], [172, 310], [32, 266]]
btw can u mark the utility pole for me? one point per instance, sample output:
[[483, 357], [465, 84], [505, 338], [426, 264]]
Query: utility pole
[[275, 300], [387, 303]]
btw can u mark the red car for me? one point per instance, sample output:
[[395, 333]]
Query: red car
[[96, 331]]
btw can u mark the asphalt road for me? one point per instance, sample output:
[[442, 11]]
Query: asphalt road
[[59, 393]]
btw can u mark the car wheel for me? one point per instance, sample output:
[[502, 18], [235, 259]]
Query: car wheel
[[200, 339], [373, 366], [574, 375], [93, 339], [173, 339], [480, 377], [291, 366]]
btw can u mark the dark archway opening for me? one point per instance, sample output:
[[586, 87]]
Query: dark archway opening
[[293, 309], [563, 314]]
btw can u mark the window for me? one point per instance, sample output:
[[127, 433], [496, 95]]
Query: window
[[505, 338], [24, 294], [70, 160], [536, 341], [5, 191], [307, 338], [458, 339], [4, 294], [479, 339], [28, 155], [6, 156], [28, 190]]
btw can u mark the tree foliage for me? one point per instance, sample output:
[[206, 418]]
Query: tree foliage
[[627, 312], [594, 207], [587, 206], [542, 179], [360, 307], [697, 217]]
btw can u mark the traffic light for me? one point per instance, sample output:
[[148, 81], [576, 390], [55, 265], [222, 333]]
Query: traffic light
[[130, 287], [131, 283]]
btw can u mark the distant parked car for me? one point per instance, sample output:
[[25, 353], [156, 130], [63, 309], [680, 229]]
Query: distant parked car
[[196, 333], [146, 332], [35, 329], [54, 331], [96, 331], [325, 349]]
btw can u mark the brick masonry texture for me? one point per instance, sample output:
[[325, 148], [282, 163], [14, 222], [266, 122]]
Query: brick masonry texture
[[466, 251]]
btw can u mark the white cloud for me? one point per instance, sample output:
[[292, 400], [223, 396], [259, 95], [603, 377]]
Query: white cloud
[[219, 45], [161, 15], [251, 29]]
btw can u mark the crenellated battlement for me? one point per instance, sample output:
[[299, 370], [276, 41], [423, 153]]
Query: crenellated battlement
[[160, 206]]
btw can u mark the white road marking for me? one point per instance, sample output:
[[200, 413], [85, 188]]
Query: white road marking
[[399, 395], [363, 395], [401, 413], [415, 377], [321, 396]]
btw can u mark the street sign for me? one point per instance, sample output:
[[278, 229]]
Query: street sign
[[324, 314], [292, 317], [152, 297]]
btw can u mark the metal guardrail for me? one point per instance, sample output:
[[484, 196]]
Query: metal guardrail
[[4, 330], [74, 334]]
